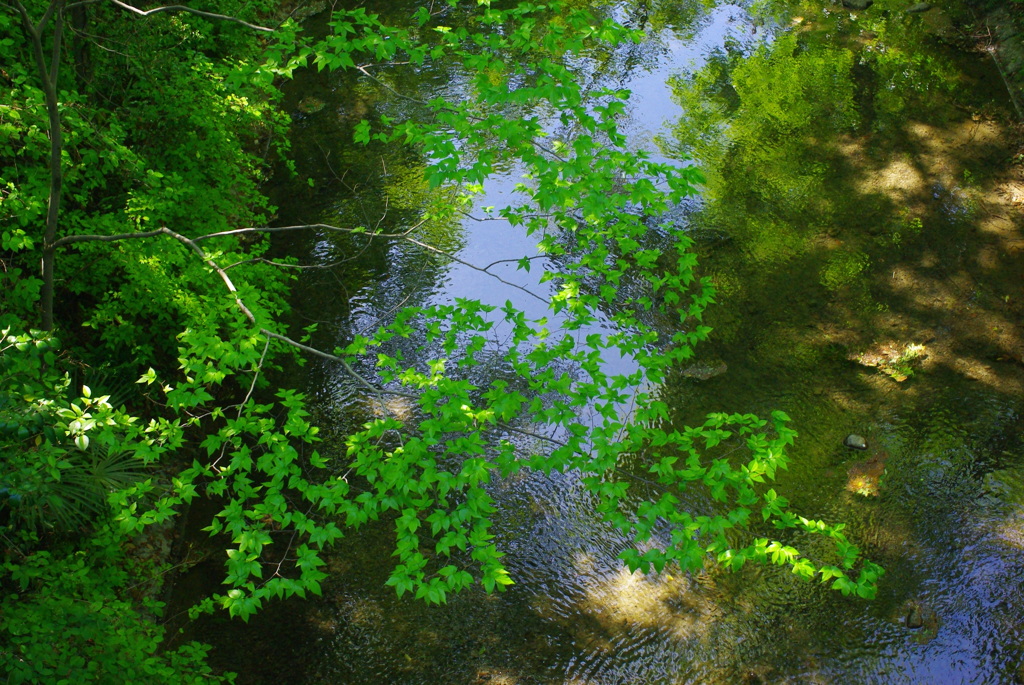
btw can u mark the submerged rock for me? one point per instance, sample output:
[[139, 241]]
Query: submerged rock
[[918, 8], [858, 5], [922, 619], [855, 442], [702, 371]]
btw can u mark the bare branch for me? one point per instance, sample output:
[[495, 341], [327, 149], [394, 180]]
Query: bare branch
[[531, 434], [251, 317], [331, 357], [36, 29], [190, 10], [90, 238], [213, 265], [285, 265], [514, 261], [72, 239], [402, 236], [255, 377], [48, 14], [306, 227], [68, 240], [452, 257], [163, 230], [396, 93], [193, 245], [481, 219]]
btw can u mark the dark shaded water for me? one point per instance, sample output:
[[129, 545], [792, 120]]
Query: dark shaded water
[[886, 233]]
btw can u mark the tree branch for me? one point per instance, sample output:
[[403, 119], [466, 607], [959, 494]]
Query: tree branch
[[193, 244], [58, 31], [72, 239], [306, 227], [190, 10], [401, 236], [452, 257], [36, 29]]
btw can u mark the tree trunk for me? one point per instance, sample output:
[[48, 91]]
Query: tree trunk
[[48, 81]]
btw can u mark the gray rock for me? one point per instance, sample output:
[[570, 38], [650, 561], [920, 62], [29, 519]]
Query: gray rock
[[918, 8], [915, 617], [855, 442], [858, 5]]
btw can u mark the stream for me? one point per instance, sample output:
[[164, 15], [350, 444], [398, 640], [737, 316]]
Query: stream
[[869, 259]]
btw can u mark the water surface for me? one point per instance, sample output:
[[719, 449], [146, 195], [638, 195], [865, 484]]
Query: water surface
[[831, 247]]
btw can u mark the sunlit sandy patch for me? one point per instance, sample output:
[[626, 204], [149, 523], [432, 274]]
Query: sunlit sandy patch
[[924, 292], [665, 602], [989, 257], [998, 224], [401, 408], [975, 369], [899, 177], [1000, 374], [893, 358], [1011, 532], [1012, 192], [939, 147]]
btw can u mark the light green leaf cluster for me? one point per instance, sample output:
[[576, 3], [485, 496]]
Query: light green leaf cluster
[[592, 202], [63, 451]]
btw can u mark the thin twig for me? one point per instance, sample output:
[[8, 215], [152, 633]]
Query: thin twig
[[517, 261], [362, 68], [476, 268], [306, 227], [255, 376]]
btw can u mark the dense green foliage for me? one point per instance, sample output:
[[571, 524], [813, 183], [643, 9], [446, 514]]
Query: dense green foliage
[[166, 129], [159, 152], [148, 141]]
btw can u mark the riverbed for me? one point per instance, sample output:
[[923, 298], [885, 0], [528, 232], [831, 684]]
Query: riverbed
[[869, 263]]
